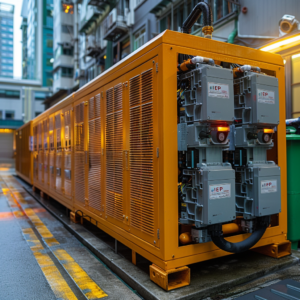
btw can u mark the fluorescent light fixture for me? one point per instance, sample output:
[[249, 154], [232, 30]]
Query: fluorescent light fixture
[[295, 56], [281, 43]]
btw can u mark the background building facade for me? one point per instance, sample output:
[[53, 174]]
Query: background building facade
[[6, 40]]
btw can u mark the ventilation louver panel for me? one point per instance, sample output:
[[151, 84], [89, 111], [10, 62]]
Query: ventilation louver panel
[[67, 154], [41, 153], [141, 152], [79, 154], [52, 153], [58, 157], [114, 152], [94, 174], [46, 153]]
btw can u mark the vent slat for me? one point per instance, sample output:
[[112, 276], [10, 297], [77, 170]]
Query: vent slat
[[141, 152], [94, 174], [114, 152], [79, 158]]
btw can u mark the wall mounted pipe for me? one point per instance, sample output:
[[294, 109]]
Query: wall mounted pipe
[[200, 8]]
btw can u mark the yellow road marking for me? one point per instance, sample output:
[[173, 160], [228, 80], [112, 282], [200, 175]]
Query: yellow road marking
[[88, 287], [51, 242], [56, 281], [82, 279]]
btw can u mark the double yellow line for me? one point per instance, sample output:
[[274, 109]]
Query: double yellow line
[[59, 286]]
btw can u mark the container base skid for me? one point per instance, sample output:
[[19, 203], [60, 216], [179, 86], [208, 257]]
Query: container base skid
[[170, 279], [277, 250]]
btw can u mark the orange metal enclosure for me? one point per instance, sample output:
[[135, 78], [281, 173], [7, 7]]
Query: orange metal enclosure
[[110, 149]]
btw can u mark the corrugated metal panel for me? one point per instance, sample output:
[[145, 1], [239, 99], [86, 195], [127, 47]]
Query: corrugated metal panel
[[94, 174], [141, 152], [114, 152], [263, 17]]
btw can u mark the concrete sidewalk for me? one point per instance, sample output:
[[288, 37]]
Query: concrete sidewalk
[[41, 259]]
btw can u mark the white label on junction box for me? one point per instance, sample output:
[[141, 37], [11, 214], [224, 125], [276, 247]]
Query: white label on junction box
[[218, 90], [218, 191], [264, 96], [268, 186]]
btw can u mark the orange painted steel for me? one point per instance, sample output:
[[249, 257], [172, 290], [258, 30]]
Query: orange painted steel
[[119, 167]]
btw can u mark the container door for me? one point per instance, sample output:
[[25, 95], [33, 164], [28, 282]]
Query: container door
[[143, 152], [67, 152], [95, 201], [115, 201], [80, 156]]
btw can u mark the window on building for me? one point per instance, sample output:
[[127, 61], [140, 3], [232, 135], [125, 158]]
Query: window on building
[[66, 72], [139, 38], [9, 115], [37, 113], [10, 94], [67, 29], [39, 95], [125, 48], [1, 115], [49, 43], [49, 62], [67, 8]]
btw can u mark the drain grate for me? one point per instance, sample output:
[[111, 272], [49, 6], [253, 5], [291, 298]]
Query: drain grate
[[284, 289]]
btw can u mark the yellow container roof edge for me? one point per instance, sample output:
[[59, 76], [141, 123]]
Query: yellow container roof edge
[[172, 38]]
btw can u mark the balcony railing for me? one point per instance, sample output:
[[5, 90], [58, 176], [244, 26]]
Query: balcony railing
[[115, 24], [102, 3], [89, 18]]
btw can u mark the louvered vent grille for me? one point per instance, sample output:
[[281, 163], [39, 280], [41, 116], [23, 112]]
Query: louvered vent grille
[[46, 157], [79, 153], [67, 155], [51, 128], [40, 130], [45, 127], [41, 166], [52, 153], [94, 175], [141, 152], [58, 131], [114, 151], [35, 138]]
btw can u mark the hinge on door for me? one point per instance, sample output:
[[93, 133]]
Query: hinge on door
[[157, 67], [158, 236], [157, 152]]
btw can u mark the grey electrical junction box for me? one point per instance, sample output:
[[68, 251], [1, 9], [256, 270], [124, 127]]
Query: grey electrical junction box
[[210, 199], [211, 96], [257, 101], [259, 190]]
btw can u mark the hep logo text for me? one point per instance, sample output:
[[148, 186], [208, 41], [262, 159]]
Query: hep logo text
[[215, 87], [217, 189]]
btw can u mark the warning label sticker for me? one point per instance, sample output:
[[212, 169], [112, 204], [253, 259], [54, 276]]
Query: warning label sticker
[[218, 191], [264, 96], [268, 186], [218, 90]]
